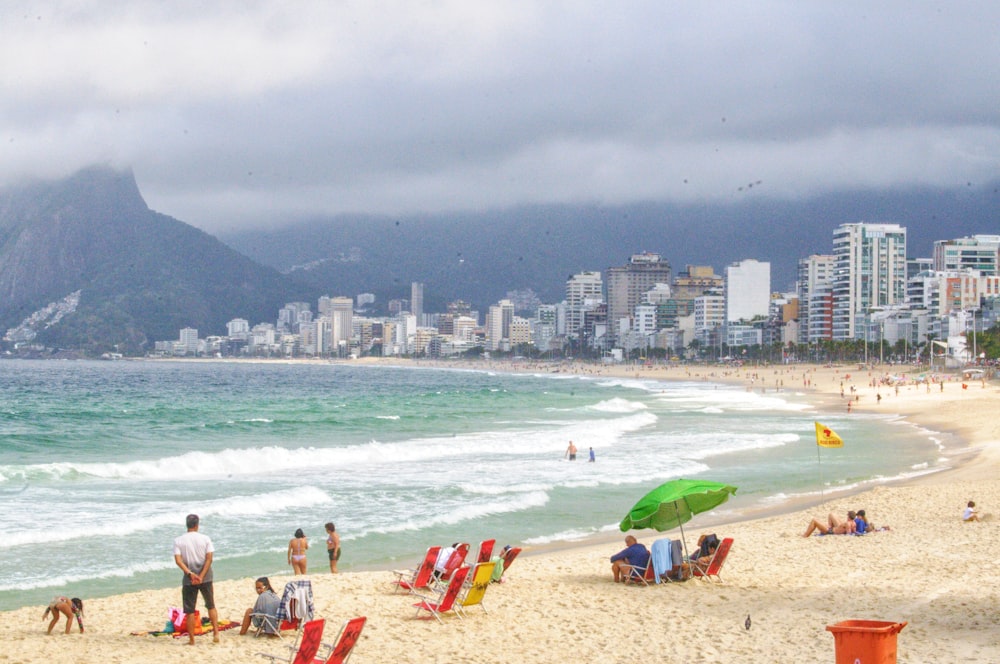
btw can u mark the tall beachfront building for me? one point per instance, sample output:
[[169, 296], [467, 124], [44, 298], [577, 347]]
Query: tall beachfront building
[[627, 287], [815, 276], [748, 290], [869, 274], [584, 292], [341, 323], [498, 322], [417, 301]]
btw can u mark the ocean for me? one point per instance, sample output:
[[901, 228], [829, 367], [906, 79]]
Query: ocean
[[101, 461]]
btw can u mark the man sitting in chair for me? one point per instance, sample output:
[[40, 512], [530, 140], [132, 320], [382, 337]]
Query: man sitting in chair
[[634, 555]]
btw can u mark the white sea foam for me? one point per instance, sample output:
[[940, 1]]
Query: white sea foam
[[150, 515], [57, 580]]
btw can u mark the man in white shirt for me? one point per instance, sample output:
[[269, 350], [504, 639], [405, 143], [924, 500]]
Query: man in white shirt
[[193, 553]]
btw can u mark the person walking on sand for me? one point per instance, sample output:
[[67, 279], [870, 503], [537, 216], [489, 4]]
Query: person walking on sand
[[571, 451], [332, 546], [297, 552], [194, 553], [67, 607]]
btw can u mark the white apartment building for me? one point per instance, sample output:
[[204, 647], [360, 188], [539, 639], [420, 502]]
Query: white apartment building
[[188, 341], [869, 274], [238, 328], [977, 252], [498, 321], [584, 292], [815, 275], [709, 314], [341, 325], [747, 290]]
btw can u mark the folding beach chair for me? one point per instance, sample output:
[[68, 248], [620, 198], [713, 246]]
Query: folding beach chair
[[714, 566], [305, 652], [507, 557], [342, 647], [475, 588], [443, 573], [485, 550], [421, 576], [446, 600], [640, 575]]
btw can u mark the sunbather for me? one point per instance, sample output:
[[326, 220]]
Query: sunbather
[[833, 525], [633, 555]]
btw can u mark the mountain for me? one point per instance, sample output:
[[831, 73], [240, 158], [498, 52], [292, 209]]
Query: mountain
[[479, 256], [141, 275]]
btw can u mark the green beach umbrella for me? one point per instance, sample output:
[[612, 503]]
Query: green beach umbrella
[[673, 503]]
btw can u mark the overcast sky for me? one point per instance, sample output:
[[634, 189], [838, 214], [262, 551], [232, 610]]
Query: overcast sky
[[247, 112]]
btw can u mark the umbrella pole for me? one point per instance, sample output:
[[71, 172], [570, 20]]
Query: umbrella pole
[[684, 544]]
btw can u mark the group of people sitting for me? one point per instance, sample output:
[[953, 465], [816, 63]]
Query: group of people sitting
[[857, 523], [632, 561]]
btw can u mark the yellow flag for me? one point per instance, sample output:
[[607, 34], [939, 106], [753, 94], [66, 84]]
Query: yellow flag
[[825, 437]]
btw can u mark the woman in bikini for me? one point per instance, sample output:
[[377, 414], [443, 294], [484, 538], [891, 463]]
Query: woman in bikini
[[297, 552], [67, 607]]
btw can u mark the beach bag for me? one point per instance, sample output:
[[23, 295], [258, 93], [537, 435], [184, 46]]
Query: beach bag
[[179, 620]]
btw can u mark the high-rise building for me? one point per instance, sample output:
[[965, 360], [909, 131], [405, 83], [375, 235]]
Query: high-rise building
[[869, 274], [815, 275], [748, 290], [238, 328], [498, 322], [584, 291], [417, 301], [341, 328], [977, 252], [188, 341], [627, 286]]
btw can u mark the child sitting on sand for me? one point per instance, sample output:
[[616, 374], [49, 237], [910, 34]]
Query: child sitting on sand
[[970, 513]]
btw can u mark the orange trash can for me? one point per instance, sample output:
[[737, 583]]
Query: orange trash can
[[865, 641]]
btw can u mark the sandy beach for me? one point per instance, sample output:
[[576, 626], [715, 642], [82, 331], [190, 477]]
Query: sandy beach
[[930, 570]]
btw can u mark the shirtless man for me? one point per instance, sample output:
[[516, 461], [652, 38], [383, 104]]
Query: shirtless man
[[571, 451], [833, 526]]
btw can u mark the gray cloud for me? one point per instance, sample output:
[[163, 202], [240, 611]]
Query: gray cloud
[[255, 113]]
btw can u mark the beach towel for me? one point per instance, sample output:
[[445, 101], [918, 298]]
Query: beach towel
[[204, 628], [666, 555], [301, 591]]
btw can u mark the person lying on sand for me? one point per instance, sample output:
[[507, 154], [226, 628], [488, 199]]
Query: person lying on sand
[[833, 526]]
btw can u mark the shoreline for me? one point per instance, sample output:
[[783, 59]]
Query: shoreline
[[549, 604]]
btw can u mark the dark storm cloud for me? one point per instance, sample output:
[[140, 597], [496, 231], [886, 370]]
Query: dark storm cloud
[[256, 113]]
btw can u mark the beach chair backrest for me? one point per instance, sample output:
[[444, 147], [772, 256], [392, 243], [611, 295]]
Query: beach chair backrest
[[345, 644], [481, 576], [509, 558], [485, 550], [426, 568], [312, 636], [454, 587], [719, 558]]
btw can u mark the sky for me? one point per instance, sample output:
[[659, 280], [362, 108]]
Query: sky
[[254, 114]]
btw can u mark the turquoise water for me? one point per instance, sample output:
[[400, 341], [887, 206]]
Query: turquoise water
[[100, 461]]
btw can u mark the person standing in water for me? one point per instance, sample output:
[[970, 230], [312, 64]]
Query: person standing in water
[[297, 552], [592, 457], [571, 451], [332, 546]]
